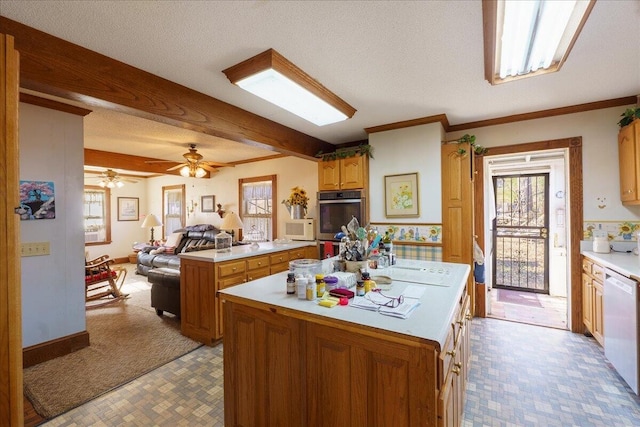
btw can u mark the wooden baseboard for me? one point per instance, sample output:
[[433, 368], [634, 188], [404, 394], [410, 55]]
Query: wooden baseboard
[[55, 348], [122, 260]]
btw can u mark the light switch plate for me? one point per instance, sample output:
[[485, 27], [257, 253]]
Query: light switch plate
[[34, 249]]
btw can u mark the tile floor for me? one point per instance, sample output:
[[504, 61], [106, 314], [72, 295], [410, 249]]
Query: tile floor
[[521, 375], [552, 311]]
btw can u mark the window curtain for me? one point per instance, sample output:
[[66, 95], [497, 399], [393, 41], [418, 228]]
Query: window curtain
[[256, 211]]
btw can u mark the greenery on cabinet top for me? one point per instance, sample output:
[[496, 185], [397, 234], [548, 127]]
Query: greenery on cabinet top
[[629, 115], [343, 153]]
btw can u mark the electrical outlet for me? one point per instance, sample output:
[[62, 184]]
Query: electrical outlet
[[34, 249]]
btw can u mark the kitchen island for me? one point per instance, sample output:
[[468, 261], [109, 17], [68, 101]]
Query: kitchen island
[[204, 273], [292, 362]]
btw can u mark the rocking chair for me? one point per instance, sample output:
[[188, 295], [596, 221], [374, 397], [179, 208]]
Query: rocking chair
[[101, 281]]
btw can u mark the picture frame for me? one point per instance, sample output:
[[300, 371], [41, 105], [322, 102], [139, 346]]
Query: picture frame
[[401, 195], [128, 209], [208, 203]]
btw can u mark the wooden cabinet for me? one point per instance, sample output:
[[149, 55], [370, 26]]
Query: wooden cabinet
[[592, 298], [629, 159], [200, 306], [286, 368], [343, 174]]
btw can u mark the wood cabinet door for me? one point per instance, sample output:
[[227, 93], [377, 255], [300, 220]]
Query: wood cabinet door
[[311, 252], [628, 163], [457, 210], [198, 301], [598, 318], [262, 364], [587, 302], [328, 175], [352, 172]]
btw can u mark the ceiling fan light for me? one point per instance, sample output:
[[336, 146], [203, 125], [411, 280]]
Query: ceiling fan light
[[200, 172], [102, 184], [110, 184], [184, 171], [119, 184]]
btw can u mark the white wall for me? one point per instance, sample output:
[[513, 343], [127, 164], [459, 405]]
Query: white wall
[[124, 234], [51, 149], [407, 150], [599, 132], [290, 172]]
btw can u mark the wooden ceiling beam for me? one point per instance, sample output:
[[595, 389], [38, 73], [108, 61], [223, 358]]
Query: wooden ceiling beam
[[109, 160], [54, 66]]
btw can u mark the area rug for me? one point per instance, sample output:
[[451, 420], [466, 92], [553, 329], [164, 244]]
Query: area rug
[[518, 297], [127, 339]]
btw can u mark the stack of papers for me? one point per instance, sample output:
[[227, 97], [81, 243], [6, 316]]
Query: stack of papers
[[375, 302], [364, 303]]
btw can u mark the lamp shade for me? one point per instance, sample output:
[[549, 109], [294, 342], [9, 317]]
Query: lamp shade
[[151, 221], [231, 221]]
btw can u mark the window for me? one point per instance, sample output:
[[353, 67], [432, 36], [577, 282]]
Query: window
[[173, 208], [97, 215], [257, 198]]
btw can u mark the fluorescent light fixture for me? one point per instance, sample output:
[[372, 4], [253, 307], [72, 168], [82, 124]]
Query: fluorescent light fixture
[[524, 38], [273, 78]]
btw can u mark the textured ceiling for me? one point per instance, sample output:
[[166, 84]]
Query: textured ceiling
[[391, 60]]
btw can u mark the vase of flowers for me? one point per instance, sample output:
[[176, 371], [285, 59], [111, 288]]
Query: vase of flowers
[[297, 203]]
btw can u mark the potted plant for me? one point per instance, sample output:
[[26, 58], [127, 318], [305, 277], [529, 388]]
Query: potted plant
[[471, 141], [343, 153], [297, 203], [629, 115]]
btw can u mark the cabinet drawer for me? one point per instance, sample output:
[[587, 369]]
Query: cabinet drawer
[[446, 359], [297, 254], [279, 257], [231, 268], [277, 268], [586, 265], [597, 271], [257, 262], [231, 281], [258, 273]]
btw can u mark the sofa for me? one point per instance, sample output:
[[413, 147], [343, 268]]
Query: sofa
[[161, 264]]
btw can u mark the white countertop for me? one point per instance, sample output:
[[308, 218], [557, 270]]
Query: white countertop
[[626, 264], [429, 321], [243, 251]]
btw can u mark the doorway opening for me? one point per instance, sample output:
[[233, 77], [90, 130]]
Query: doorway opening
[[526, 204]]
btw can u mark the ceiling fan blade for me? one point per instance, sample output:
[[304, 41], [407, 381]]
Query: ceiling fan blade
[[207, 167], [177, 167], [159, 161], [218, 164]]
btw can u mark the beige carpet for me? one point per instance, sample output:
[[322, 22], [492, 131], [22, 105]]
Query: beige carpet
[[127, 340]]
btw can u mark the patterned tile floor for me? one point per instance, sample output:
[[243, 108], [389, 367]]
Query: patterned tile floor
[[521, 375], [549, 311]]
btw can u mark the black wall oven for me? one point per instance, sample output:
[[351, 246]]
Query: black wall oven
[[336, 208]]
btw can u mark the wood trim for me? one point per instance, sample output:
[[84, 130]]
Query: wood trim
[[53, 105], [11, 378], [56, 67], [574, 146], [489, 15], [110, 160], [580, 108], [42, 352], [259, 159], [572, 109], [272, 59], [442, 118]]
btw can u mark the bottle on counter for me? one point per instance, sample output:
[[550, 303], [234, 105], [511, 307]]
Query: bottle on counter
[[360, 288], [367, 283], [291, 283], [311, 289], [320, 285], [301, 287]]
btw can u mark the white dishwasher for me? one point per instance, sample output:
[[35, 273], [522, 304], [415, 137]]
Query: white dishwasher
[[621, 325]]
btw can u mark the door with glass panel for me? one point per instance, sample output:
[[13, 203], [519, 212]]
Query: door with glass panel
[[520, 234]]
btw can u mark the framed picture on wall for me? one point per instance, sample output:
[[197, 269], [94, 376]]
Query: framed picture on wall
[[207, 203], [401, 195], [128, 209]]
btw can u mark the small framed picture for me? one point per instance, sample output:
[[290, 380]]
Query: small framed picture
[[401, 195], [128, 209], [208, 203]]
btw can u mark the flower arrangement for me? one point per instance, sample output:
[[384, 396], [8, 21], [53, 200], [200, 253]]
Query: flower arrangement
[[626, 228], [298, 196]]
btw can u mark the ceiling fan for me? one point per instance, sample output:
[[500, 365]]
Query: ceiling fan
[[112, 179], [194, 165]]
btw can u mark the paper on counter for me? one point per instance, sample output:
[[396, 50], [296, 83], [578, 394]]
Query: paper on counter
[[414, 292]]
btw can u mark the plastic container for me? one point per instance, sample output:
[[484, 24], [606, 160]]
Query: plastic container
[[601, 245], [330, 283], [305, 267]]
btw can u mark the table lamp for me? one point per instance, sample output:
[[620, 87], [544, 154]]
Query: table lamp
[[231, 222], [151, 221]]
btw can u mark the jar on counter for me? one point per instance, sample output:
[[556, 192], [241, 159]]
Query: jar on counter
[[320, 285], [291, 283], [360, 288], [301, 287], [311, 289], [330, 283]]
